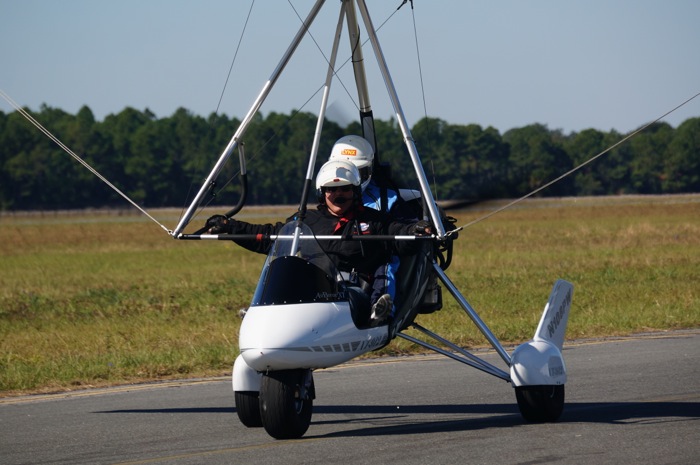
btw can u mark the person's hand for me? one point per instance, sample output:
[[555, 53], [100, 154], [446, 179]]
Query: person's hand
[[421, 228], [218, 224]]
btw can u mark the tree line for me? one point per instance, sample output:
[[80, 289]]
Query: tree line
[[162, 162]]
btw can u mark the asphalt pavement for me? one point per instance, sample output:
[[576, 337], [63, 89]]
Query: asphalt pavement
[[629, 400]]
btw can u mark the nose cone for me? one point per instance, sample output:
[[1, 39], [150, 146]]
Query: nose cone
[[316, 335]]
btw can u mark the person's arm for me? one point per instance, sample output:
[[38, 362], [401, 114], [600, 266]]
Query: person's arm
[[219, 224]]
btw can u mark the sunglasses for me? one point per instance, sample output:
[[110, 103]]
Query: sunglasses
[[338, 188]]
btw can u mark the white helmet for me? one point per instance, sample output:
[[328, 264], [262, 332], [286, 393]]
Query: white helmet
[[357, 150], [337, 173]]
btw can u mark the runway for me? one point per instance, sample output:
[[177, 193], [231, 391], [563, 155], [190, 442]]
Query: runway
[[628, 400]]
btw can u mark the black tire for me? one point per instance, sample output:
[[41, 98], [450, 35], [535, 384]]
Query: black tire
[[540, 404], [286, 400], [248, 408]]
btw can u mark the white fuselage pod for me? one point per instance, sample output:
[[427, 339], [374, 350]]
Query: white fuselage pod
[[308, 335]]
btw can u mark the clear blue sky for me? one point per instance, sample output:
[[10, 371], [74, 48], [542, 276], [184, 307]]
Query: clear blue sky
[[572, 65]]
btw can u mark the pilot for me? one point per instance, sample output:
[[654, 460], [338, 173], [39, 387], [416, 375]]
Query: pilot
[[340, 212]]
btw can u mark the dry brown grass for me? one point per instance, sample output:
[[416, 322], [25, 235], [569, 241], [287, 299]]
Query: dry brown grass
[[93, 299]]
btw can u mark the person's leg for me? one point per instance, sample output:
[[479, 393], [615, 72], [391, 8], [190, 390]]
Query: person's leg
[[384, 282], [360, 308]]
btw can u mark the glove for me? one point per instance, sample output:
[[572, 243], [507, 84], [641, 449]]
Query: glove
[[421, 228], [218, 224]]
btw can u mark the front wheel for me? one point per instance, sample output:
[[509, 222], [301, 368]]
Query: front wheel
[[540, 404], [248, 408], [286, 400]]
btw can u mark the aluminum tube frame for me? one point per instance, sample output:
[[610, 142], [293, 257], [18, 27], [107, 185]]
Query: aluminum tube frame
[[324, 99], [472, 314], [468, 358], [308, 184], [358, 66], [208, 183], [273, 237], [408, 138], [479, 364], [358, 61]]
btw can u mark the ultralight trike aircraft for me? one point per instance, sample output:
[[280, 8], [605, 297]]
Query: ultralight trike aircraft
[[301, 318]]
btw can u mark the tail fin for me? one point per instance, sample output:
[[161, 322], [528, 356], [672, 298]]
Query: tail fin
[[539, 362], [556, 314]]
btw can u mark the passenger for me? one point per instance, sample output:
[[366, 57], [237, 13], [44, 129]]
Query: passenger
[[340, 212], [359, 151]]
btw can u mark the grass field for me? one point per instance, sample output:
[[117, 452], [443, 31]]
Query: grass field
[[93, 298]]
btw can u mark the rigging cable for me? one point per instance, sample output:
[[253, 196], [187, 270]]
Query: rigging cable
[[430, 140], [420, 66], [223, 91], [348, 60], [276, 132], [568, 173], [65, 148], [301, 108], [233, 61], [571, 171]]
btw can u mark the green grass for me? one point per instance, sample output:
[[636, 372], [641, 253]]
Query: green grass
[[92, 299]]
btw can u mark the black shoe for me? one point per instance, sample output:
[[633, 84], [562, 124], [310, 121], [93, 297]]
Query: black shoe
[[381, 310]]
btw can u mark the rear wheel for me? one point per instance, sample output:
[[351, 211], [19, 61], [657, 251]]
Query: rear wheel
[[539, 404], [286, 400], [248, 408]]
